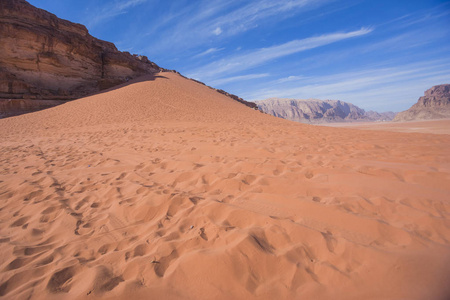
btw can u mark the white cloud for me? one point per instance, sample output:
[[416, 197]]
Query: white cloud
[[260, 56], [120, 6], [290, 78], [208, 51], [394, 88], [217, 31], [250, 15], [237, 78], [114, 8], [200, 21]]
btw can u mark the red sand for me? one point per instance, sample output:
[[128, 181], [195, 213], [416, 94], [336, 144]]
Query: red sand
[[165, 189], [428, 126]]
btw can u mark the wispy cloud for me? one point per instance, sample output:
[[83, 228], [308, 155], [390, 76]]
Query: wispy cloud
[[396, 87], [206, 21], [260, 56], [436, 13], [248, 16], [290, 79], [111, 10], [208, 51], [238, 78]]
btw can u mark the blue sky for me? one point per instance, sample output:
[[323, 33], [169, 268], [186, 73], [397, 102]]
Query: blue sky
[[380, 55]]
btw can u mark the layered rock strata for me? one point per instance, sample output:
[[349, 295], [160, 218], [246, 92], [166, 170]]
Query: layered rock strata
[[435, 104], [44, 57]]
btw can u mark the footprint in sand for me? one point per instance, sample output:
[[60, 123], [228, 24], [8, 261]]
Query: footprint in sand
[[330, 240], [60, 281], [162, 264]]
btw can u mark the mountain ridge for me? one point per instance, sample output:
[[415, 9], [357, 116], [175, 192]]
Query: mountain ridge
[[319, 111]]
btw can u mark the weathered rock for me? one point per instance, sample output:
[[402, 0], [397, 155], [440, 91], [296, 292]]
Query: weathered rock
[[238, 99], [15, 107], [319, 111], [435, 104], [44, 57]]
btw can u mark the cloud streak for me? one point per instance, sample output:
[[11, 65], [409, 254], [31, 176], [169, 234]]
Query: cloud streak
[[248, 16], [112, 10], [261, 56], [238, 78], [397, 87], [204, 21], [208, 51]]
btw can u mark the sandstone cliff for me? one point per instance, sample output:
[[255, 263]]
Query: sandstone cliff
[[319, 111], [435, 104], [44, 57]]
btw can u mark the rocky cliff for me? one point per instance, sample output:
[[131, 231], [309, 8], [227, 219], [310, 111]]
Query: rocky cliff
[[44, 57], [435, 104], [319, 111]]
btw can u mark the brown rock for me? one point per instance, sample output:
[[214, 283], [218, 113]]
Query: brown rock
[[15, 107], [238, 99], [435, 104], [44, 57]]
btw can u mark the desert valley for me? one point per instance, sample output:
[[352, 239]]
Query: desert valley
[[143, 184]]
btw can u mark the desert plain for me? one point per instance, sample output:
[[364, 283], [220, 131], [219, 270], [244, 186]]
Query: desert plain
[[163, 188]]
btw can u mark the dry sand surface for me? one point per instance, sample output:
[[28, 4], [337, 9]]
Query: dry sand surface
[[428, 126], [165, 189]]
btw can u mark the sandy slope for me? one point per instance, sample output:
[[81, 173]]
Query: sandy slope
[[165, 189]]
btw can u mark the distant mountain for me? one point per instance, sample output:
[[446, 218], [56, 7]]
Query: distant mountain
[[319, 111], [384, 116], [435, 104]]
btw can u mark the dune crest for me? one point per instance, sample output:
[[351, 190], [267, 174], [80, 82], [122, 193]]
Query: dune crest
[[163, 188]]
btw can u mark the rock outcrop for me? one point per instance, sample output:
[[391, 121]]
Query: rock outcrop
[[43, 57], [319, 111], [15, 107], [435, 104], [232, 96]]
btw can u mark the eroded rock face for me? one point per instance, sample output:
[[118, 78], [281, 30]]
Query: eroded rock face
[[319, 111], [15, 107], [435, 104], [44, 57]]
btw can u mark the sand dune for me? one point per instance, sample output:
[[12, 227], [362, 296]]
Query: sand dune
[[165, 189]]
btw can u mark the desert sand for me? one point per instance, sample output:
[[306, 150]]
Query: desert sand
[[441, 126], [164, 189]]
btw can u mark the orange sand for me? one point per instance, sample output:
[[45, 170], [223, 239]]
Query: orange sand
[[165, 189], [428, 126]]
